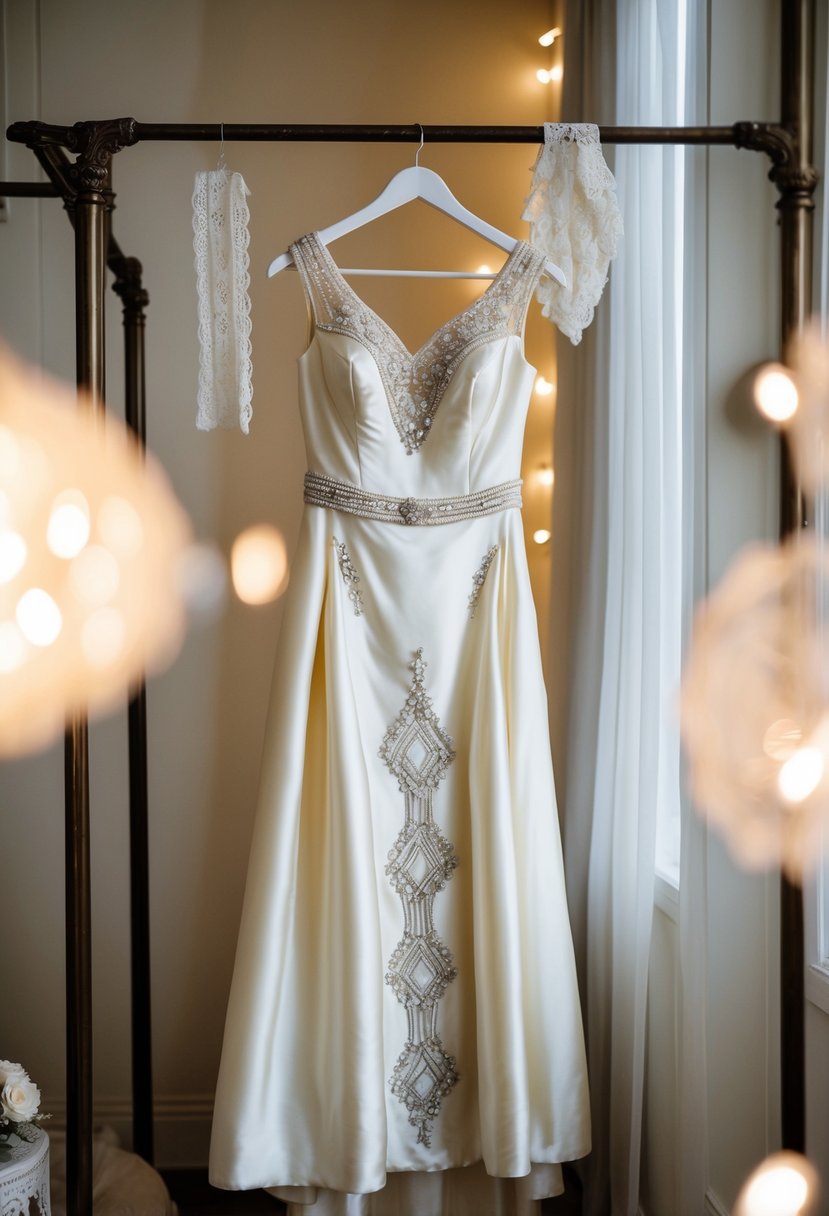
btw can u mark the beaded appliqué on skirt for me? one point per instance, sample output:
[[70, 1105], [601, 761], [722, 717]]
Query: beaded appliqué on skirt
[[479, 578], [418, 752], [415, 383], [350, 576]]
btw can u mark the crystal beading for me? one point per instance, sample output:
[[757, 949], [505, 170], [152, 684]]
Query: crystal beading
[[350, 576], [415, 383], [479, 578], [323, 491], [418, 751]]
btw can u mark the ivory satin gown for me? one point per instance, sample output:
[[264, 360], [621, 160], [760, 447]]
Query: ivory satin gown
[[403, 1033]]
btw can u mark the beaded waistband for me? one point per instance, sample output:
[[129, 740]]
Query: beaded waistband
[[322, 491]]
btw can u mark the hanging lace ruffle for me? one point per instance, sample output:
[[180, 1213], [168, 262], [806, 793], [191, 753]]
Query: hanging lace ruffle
[[574, 217], [220, 241]]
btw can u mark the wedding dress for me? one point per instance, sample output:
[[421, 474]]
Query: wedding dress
[[403, 1032]]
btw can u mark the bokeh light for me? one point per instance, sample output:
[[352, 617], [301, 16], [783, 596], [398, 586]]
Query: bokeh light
[[775, 393], [90, 540], [785, 1184], [68, 529], [259, 564]]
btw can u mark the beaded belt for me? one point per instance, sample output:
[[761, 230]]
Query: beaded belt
[[322, 491]]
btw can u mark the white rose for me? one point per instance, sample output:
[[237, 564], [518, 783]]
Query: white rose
[[7, 1069], [19, 1099]]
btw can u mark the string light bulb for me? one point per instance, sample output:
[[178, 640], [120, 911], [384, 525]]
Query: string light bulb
[[546, 475], [543, 387], [548, 38], [775, 393], [541, 536]]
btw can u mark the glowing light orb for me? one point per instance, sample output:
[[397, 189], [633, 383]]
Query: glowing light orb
[[39, 617], [259, 564], [801, 774], [775, 393], [785, 1184], [12, 554], [68, 529], [90, 537]]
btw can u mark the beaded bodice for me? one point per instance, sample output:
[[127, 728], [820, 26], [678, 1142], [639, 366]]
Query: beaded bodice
[[415, 383]]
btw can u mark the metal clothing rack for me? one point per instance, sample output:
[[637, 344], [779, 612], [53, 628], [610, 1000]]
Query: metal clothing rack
[[85, 187]]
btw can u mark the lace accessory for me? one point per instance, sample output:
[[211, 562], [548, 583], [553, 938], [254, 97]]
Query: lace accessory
[[220, 242], [350, 576], [415, 383], [418, 751], [574, 217], [323, 491], [24, 1175]]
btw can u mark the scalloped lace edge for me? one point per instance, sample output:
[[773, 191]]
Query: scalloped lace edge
[[574, 217]]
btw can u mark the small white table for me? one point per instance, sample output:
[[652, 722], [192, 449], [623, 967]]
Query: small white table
[[24, 1174]]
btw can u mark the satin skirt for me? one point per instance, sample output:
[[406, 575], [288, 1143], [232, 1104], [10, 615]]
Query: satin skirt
[[304, 1105]]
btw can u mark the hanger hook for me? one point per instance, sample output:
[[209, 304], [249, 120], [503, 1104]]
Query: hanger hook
[[422, 142], [221, 161]]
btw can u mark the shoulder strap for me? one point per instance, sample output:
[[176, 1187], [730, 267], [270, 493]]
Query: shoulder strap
[[520, 282], [322, 288]]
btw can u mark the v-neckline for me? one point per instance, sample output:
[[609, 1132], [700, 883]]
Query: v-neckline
[[415, 382], [415, 356]]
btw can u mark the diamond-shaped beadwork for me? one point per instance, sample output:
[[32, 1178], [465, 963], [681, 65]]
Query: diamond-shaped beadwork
[[416, 748], [421, 861], [422, 1077], [418, 752], [420, 969]]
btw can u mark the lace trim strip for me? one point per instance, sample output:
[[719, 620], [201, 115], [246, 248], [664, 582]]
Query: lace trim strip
[[220, 244], [322, 491]]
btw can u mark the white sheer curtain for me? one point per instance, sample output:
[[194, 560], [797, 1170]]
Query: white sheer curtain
[[623, 549]]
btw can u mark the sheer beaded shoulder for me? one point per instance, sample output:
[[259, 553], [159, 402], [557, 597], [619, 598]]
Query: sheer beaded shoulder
[[416, 382]]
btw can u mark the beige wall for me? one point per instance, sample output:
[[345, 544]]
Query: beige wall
[[206, 60]]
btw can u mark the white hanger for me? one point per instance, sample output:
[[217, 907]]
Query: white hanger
[[407, 185]]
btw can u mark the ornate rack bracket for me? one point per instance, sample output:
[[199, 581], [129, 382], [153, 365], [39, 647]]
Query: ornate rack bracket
[[93, 142], [795, 180]]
